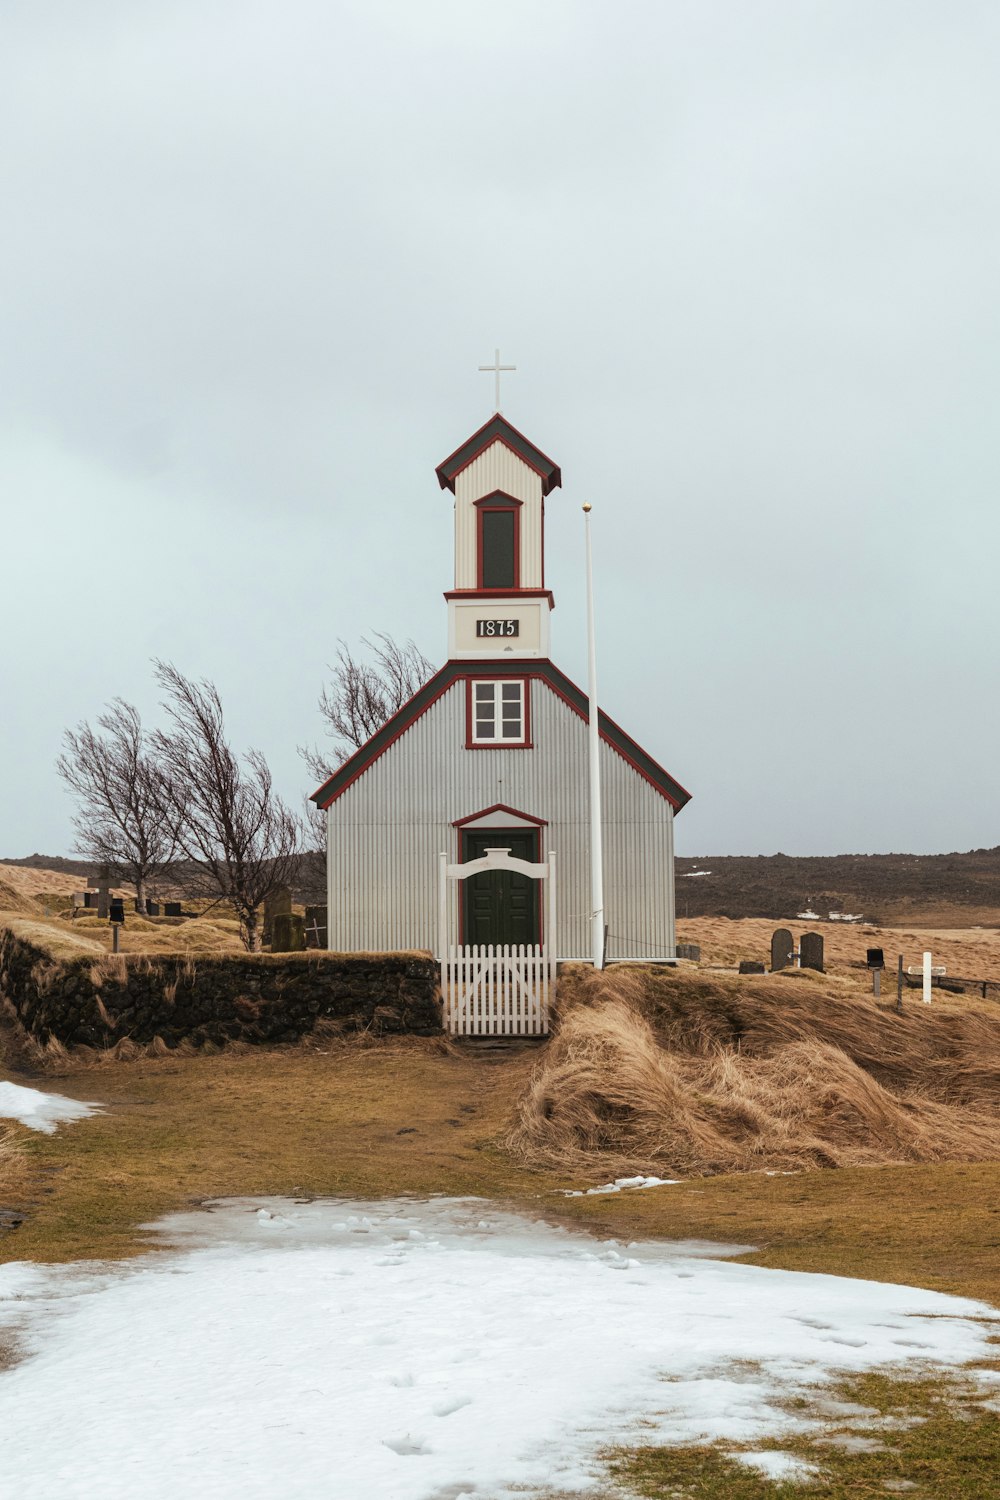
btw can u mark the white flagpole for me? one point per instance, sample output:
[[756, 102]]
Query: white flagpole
[[596, 851]]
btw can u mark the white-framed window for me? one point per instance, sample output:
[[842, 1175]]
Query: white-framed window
[[498, 712]]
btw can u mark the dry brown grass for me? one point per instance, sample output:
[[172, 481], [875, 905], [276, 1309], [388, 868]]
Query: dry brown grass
[[215, 933], [31, 882], [70, 937], [58, 939], [14, 1174], [677, 1073], [13, 899], [971, 952]]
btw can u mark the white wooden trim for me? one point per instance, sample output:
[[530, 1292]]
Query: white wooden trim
[[498, 990], [498, 859]]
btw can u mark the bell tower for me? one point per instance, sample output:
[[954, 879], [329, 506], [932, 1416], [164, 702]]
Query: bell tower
[[499, 606]]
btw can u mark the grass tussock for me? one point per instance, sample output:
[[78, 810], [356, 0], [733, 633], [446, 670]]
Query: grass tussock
[[690, 1075], [59, 940], [9, 1151], [12, 899]]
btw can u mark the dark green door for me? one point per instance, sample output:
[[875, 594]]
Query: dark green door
[[500, 906]]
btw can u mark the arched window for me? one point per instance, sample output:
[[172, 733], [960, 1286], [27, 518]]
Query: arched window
[[499, 542]]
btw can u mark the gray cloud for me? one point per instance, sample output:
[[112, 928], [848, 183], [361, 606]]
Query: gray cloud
[[744, 257]]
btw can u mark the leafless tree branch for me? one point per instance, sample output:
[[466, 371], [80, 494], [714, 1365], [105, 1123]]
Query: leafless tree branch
[[231, 823], [123, 821], [363, 693]]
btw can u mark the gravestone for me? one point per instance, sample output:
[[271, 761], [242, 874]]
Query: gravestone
[[751, 966], [277, 904], [690, 951], [876, 958], [316, 926], [811, 952], [171, 908], [782, 949], [288, 932], [152, 908]]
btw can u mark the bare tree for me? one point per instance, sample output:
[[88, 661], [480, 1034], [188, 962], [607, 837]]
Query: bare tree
[[363, 694], [122, 821], [232, 825]]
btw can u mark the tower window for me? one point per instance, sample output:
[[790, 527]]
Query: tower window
[[498, 714], [498, 547]]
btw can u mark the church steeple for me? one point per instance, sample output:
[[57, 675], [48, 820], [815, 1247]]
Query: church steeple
[[499, 605]]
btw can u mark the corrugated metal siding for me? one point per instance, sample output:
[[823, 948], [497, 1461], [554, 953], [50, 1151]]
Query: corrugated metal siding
[[498, 469], [387, 830]]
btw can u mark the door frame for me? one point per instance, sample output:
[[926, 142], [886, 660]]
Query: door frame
[[497, 837]]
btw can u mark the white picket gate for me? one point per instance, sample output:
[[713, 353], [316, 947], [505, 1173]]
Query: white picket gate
[[502, 989], [496, 991]]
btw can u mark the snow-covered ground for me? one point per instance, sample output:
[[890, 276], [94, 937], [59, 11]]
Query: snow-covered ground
[[40, 1111], [416, 1351]]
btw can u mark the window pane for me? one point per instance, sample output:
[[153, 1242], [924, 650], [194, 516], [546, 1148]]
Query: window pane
[[512, 692], [484, 692], [512, 711], [486, 729], [512, 731], [498, 549]]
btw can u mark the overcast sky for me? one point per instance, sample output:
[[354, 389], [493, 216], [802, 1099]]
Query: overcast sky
[[745, 256]]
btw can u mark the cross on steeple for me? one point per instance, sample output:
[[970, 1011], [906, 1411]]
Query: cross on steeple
[[495, 368]]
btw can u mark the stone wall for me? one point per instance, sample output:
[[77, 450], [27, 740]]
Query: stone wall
[[98, 1001]]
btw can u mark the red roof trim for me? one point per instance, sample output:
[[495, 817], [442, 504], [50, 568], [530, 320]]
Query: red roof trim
[[498, 429], [472, 594], [604, 718], [512, 812], [545, 671], [358, 763]]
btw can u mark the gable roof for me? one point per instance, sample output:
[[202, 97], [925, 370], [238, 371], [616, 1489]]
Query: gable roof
[[455, 671], [498, 428]]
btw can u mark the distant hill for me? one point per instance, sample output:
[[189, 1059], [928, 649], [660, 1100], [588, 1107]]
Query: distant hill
[[309, 884], [947, 890], [937, 889], [52, 862]]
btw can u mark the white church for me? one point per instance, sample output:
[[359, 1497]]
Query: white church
[[492, 754]]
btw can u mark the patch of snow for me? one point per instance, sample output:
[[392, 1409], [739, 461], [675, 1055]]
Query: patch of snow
[[628, 1183], [41, 1111], [845, 916], [808, 916], [778, 1465], [694, 874], [409, 1350], [853, 1442]]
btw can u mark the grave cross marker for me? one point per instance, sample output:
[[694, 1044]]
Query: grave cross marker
[[103, 884]]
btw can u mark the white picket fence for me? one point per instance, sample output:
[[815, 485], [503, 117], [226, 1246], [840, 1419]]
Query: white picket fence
[[496, 991]]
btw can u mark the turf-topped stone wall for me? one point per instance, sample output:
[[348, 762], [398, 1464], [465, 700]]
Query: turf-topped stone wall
[[261, 997]]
